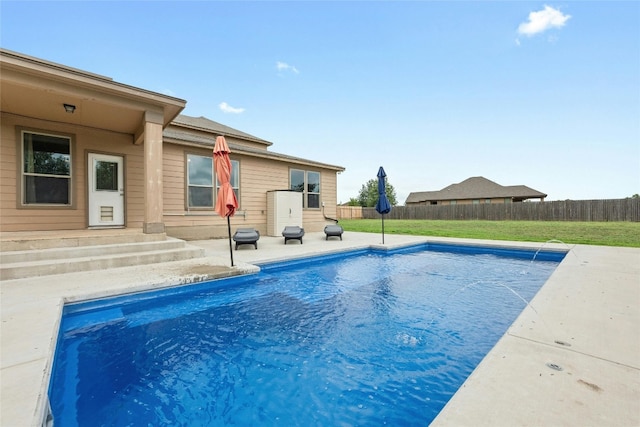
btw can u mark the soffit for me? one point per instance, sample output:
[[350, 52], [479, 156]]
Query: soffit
[[34, 88]]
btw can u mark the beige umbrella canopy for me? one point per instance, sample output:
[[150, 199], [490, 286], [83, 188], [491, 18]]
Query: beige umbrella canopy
[[226, 203]]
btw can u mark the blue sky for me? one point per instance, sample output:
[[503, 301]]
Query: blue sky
[[543, 94]]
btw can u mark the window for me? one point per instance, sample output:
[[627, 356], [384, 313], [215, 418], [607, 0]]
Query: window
[[313, 189], [46, 169], [235, 179], [297, 180], [106, 176], [200, 181], [308, 183]]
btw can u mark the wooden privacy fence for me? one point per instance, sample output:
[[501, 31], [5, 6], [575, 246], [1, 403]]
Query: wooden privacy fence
[[349, 212], [562, 210]]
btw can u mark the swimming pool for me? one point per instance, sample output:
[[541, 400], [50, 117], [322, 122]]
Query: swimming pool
[[361, 338]]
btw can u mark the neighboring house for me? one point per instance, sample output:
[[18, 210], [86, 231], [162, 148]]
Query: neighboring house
[[79, 150], [474, 190]]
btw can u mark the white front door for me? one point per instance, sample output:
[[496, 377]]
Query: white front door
[[106, 190]]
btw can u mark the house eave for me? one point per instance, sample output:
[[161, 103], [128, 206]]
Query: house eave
[[37, 88], [263, 154]]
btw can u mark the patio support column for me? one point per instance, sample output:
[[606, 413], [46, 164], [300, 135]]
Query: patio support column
[[153, 200]]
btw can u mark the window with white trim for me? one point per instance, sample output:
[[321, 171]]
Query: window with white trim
[[46, 169], [200, 181], [308, 183]]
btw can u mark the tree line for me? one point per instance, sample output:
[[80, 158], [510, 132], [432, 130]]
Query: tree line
[[368, 195]]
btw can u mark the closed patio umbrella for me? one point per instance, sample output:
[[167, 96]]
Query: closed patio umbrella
[[226, 203], [382, 206]]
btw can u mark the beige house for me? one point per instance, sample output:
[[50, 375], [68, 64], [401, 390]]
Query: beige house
[[81, 151], [474, 190]]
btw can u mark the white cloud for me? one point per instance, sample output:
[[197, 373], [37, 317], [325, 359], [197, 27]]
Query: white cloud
[[283, 66], [226, 108], [543, 20]]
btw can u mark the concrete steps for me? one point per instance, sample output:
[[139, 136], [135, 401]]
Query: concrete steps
[[21, 258], [24, 241]]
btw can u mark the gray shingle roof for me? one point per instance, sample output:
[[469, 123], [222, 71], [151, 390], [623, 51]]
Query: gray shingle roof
[[476, 187], [182, 134], [208, 125]]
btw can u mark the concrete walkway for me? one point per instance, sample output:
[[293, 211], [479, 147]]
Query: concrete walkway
[[585, 321]]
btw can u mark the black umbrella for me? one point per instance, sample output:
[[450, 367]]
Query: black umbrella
[[383, 206]]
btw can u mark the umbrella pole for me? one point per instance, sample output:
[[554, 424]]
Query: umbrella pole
[[383, 229], [229, 230]]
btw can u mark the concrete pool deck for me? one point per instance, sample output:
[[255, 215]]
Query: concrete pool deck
[[585, 321]]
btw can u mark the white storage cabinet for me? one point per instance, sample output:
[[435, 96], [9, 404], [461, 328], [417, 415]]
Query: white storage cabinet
[[283, 208]]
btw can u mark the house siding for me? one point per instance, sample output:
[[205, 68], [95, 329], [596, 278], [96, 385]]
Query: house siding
[[257, 176], [16, 218], [173, 168], [116, 119]]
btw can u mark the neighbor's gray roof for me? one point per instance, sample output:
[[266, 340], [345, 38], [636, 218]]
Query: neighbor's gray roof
[[182, 135], [476, 187]]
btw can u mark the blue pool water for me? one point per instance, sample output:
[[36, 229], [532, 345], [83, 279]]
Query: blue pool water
[[362, 338]]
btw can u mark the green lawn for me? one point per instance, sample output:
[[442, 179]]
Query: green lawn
[[588, 233]]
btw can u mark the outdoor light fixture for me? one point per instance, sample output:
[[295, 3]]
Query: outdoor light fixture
[[69, 108]]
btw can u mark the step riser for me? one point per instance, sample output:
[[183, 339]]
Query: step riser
[[86, 251], [76, 265], [75, 242]]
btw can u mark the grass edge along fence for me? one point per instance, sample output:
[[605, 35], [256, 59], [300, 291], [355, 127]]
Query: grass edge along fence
[[623, 234], [614, 210]]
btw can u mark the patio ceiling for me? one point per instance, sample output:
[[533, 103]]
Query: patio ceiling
[[38, 89]]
